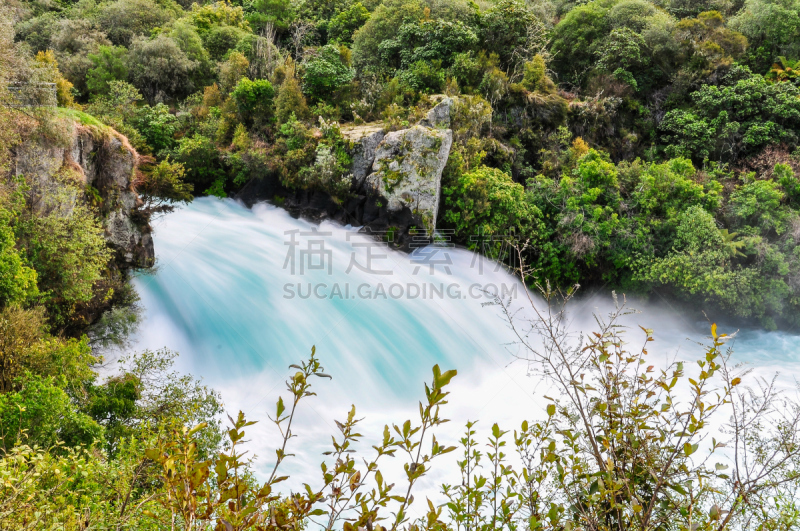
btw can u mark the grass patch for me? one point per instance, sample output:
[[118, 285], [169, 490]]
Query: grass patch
[[83, 118]]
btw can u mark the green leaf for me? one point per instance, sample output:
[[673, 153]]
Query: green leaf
[[281, 407], [198, 428]]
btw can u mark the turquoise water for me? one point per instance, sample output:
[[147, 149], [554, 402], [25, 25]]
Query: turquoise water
[[219, 296]]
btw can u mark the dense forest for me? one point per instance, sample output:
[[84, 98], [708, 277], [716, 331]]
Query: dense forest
[[652, 147]]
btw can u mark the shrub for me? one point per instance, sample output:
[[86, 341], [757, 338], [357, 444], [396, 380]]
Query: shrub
[[157, 125], [17, 280], [254, 100], [162, 185], [127, 19], [290, 101], [486, 205], [221, 39], [38, 412], [202, 160], [69, 253]]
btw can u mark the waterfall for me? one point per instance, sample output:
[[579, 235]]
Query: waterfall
[[243, 293]]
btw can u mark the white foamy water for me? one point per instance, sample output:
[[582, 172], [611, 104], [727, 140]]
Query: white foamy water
[[224, 295]]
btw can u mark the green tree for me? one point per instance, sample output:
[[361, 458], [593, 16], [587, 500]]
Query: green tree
[[126, 19], [511, 30], [69, 253], [162, 186], [772, 28], [741, 115], [159, 68], [577, 39], [758, 204], [202, 161], [109, 65], [279, 13], [325, 72], [428, 40], [220, 39], [382, 26], [157, 125], [215, 14], [185, 35], [343, 26]]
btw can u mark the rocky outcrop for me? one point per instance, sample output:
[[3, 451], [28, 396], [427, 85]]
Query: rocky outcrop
[[396, 179], [407, 166], [365, 139], [407, 171], [440, 116], [102, 163]]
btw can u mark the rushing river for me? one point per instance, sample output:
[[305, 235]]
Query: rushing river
[[243, 293]]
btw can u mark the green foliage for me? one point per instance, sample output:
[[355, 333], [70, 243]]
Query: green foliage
[[162, 186], [758, 205], [66, 488], [508, 27], [428, 40], [427, 77], [486, 204], [118, 109], [624, 443], [69, 253], [564, 472], [220, 39], [743, 114], [127, 19], [623, 51], [17, 280], [112, 404], [217, 14], [290, 101], [771, 28], [326, 72], [279, 13], [157, 125], [201, 160], [254, 100], [38, 412], [304, 162], [202, 490], [782, 70], [578, 37], [665, 190], [347, 22], [109, 65], [382, 26], [160, 68], [534, 76]]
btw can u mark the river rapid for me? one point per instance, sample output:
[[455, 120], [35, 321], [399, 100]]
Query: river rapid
[[243, 293]]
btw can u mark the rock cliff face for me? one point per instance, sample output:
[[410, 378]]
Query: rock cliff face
[[408, 171], [407, 165], [104, 164]]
